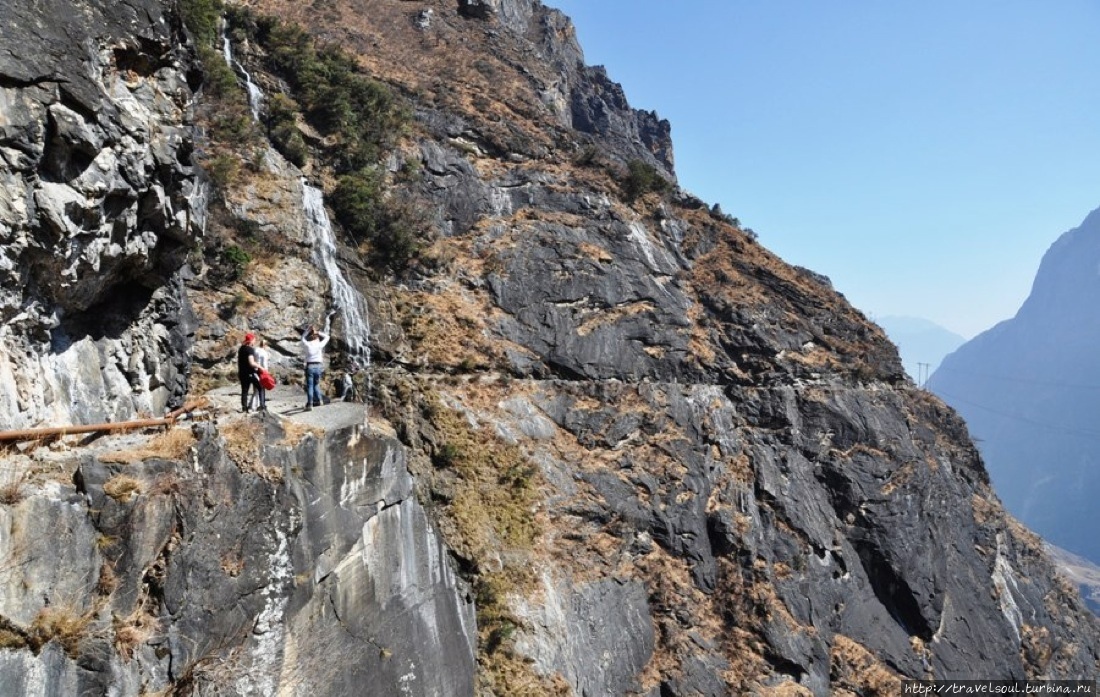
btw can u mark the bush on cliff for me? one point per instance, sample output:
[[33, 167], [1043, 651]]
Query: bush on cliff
[[227, 118], [335, 97], [282, 117], [642, 178], [391, 228]]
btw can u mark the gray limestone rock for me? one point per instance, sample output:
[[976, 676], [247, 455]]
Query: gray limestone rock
[[97, 211], [239, 568], [598, 635], [586, 318]]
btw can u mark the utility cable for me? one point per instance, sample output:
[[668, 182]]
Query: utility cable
[[1005, 378], [1017, 417]]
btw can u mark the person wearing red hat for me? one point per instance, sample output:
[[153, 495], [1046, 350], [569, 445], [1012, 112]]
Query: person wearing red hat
[[248, 373]]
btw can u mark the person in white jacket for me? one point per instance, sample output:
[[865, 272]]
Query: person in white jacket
[[313, 344]]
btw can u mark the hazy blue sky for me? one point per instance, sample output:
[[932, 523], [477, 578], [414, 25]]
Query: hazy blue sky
[[923, 155]]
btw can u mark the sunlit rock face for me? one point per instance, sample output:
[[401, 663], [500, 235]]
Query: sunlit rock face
[[312, 561], [100, 205]]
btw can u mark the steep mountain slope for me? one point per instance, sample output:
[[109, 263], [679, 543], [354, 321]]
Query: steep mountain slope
[[1029, 389], [611, 445]]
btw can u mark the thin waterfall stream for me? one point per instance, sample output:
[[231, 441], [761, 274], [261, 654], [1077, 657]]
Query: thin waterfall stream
[[255, 94], [348, 302]]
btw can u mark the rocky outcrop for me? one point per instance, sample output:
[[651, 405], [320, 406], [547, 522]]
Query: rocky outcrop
[[100, 207], [590, 101], [599, 107], [245, 560]]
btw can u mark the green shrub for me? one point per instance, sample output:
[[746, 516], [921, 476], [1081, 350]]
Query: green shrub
[[641, 179], [236, 258], [333, 94], [232, 124], [219, 80], [398, 241], [246, 229], [201, 18], [230, 119], [283, 124], [589, 156], [392, 228], [410, 171], [357, 203], [447, 455], [223, 168]]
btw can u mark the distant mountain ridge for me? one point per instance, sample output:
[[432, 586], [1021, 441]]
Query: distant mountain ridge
[[922, 343], [1029, 389]]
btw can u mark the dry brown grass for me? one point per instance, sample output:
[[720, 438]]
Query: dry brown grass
[[11, 636], [505, 673], [166, 484], [232, 563], [674, 600], [449, 330], [135, 629], [294, 432], [495, 498], [10, 639], [122, 487], [608, 317], [593, 252], [985, 511], [738, 277], [13, 490], [108, 580], [67, 626], [490, 519], [701, 344], [899, 478], [857, 670], [244, 441], [446, 66], [1028, 541], [1036, 649], [173, 444]]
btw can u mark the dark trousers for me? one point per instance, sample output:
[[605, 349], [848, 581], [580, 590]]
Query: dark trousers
[[251, 381]]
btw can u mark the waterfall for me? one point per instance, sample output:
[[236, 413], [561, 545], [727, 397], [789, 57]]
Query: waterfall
[[255, 94], [349, 302]]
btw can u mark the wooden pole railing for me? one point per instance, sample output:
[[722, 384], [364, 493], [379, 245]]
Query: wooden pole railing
[[49, 431]]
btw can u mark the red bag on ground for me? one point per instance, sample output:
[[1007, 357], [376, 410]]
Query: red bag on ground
[[267, 380]]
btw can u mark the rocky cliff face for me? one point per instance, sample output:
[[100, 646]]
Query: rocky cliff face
[[99, 207], [1027, 387], [246, 559], [614, 446]]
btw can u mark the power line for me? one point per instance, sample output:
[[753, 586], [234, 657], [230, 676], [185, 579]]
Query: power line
[[1024, 419], [1005, 378]]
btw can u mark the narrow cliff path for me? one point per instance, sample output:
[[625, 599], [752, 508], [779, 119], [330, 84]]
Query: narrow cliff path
[[288, 402]]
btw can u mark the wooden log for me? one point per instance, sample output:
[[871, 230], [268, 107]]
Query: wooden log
[[49, 431]]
